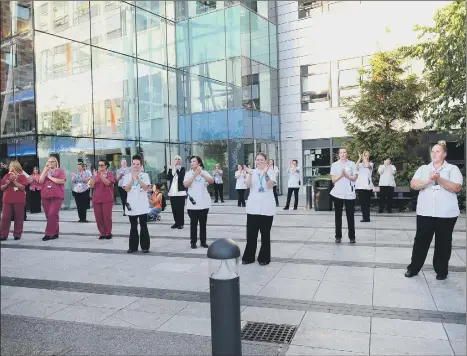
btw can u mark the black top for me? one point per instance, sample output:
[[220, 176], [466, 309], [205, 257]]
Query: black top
[[181, 177]]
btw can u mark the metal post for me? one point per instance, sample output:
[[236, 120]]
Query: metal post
[[224, 287], [309, 195]]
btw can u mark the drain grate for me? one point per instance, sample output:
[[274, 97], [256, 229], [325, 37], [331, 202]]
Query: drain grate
[[281, 334]]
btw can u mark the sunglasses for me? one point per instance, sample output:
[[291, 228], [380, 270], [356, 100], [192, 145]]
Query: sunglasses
[[101, 165]]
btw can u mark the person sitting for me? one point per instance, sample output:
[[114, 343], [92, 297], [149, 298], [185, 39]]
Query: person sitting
[[155, 203]]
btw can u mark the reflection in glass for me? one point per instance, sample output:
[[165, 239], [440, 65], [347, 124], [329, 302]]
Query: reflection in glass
[[151, 33], [182, 43], [209, 126], [207, 32], [272, 45], [155, 161], [63, 86], [114, 26], [207, 94], [153, 102], [259, 39], [114, 94]]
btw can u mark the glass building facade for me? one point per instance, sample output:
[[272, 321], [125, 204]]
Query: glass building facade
[[87, 80]]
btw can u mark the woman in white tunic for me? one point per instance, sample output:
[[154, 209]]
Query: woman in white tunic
[[364, 184], [240, 176], [137, 184], [386, 184], [260, 211], [437, 211], [199, 200]]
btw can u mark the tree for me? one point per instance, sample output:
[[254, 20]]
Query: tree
[[443, 50], [381, 120]]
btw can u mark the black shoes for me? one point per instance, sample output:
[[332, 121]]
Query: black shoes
[[215, 201], [263, 263], [83, 221], [145, 251], [363, 220], [130, 251], [205, 245], [102, 237], [180, 227], [174, 226], [286, 208], [222, 201], [54, 237], [441, 277], [410, 273], [46, 238], [193, 245], [338, 240], [3, 238], [352, 241], [247, 263], [105, 237], [17, 238]]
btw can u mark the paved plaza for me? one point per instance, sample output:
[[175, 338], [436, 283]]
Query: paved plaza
[[78, 295]]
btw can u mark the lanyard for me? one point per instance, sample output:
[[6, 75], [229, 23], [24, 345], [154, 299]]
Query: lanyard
[[136, 183], [51, 173], [260, 179]]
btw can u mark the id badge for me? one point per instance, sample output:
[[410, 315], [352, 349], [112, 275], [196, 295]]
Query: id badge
[[436, 187], [15, 189], [261, 190], [49, 187]]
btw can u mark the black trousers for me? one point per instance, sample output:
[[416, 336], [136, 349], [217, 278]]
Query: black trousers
[[35, 201], [349, 211], [196, 216], [139, 238], [385, 198], [241, 197], [218, 190], [178, 209], [82, 201], [289, 197], [274, 190], [442, 228], [123, 196], [255, 224], [364, 197]]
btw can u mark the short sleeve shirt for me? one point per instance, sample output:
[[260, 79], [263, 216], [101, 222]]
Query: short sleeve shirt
[[434, 200], [261, 202], [344, 188], [103, 193], [12, 194], [198, 191], [124, 171], [137, 198], [51, 189]]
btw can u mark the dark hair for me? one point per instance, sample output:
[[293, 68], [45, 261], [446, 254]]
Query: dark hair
[[105, 162], [158, 186], [137, 157], [294, 160], [200, 161], [273, 162], [81, 164], [262, 155]]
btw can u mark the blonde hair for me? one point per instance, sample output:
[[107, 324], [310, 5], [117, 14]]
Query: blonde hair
[[55, 158], [177, 157], [442, 143], [16, 166]]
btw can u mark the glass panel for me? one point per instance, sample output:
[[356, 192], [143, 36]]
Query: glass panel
[[170, 9], [234, 96], [114, 27], [213, 70], [262, 7], [184, 128], [247, 123], [182, 43], [153, 102], [207, 32], [273, 45], [236, 123], [115, 111], [265, 88], [259, 39], [173, 109], [69, 19], [350, 63], [154, 6], [7, 8], [171, 45], [63, 87], [155, 161], [16, 18], [233, 31], [348, 78], [274, 92], [207, 94], [272, 12], [275, 128], [209, 126], [183, 89], [151, 37], [17, 78]]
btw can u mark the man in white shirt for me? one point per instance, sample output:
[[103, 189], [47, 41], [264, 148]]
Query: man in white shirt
[[387, 183], [293, 184], [344, 174]]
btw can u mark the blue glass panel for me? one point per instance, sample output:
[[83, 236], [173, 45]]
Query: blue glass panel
[[200, 126], [256, 124], [248, 124], [236, 123], [265, 125], [275, 127], [184, 128], [218, 125]]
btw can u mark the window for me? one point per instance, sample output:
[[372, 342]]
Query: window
[[316, 84], [306, 7], [349, 78], [317, 161]]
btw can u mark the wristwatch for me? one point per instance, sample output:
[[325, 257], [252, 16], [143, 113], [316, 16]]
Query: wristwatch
[[266, 177]]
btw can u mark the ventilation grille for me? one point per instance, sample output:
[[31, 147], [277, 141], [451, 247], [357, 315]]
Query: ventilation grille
[[280, 334]]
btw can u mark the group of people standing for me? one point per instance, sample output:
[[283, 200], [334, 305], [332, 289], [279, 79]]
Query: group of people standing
[[437, 205]]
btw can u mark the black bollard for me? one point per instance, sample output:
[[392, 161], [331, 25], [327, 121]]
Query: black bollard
[[224, 287]]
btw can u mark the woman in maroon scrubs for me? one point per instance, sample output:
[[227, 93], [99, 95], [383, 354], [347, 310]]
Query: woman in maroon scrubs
[[14, 200], [53, 192], [103, 199]]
